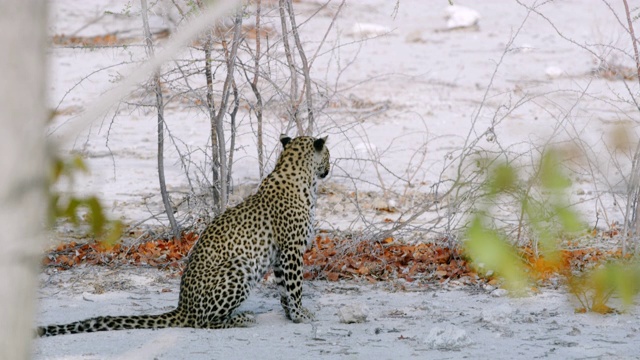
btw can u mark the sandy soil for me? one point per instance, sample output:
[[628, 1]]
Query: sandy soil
[[420, 87], [402, 321]]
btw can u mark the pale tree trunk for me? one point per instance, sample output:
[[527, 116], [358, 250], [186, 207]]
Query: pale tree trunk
[[633, 192], [157, 87], [256, 92], [227, 89], [22, 169]]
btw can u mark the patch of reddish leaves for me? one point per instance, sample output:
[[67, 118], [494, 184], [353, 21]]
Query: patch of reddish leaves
[[334, 259], [568, 260], [160, 253], [330, 259], [101, 40]]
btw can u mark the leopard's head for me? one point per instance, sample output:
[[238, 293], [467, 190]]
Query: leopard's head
[[316, 146]]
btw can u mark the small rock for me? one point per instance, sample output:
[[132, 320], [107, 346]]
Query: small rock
[[553, 72], [338, 208], [498, 316], [461, 17], [525, 48], [447, 338], [499, 292], [489, 273], [574, 332], [381, 204], [334, 199], [414, 37], [366, 31], [353, 314]]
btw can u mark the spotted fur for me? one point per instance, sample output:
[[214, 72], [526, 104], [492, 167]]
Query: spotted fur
[[271, 228]]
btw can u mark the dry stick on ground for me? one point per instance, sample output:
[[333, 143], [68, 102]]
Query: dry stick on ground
[[634, 183], [160, 107]]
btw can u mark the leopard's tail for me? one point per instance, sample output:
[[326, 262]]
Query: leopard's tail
[[106, 323]]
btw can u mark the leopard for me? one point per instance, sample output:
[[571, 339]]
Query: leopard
[[270, 229]]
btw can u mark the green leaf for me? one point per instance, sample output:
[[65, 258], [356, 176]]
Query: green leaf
[[503, 179], [568, 219], [79, 164], [57, 169], [551, 174], [623, 278], [97, 220], [71, 212], [113, 234], [487, 247]]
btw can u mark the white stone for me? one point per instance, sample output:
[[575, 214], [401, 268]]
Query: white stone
[[498, 316], [460, 17], [380, 203], [366, 30], [499, 292], [339, 208], [448, 337], [553, 72], [353, 313]]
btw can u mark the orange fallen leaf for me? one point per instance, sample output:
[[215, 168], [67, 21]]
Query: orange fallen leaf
[[441, 273], [332, 276]]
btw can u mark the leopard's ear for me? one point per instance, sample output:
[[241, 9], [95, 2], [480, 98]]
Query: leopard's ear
[[284, 139], [318, 144]]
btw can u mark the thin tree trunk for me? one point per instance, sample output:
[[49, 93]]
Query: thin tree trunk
[[215, 159], [634, 186], [256, 92], [305, 71], [160, 107], [292, 68], [232, 141], [23, 38], [219, 121], [217, 189], [232, 120]]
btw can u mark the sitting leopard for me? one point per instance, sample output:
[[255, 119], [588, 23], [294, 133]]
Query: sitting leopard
[[273, 227]]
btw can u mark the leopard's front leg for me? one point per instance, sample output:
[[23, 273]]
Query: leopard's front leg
[[288, 272]]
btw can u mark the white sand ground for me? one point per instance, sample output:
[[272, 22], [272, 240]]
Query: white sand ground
[[430, 84]]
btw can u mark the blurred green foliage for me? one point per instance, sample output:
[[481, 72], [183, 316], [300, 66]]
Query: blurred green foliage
[[548, 217], [79, 210]]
